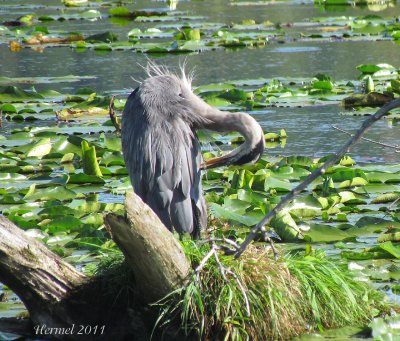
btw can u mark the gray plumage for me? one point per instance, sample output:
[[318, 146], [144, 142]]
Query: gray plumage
[[162, 153]]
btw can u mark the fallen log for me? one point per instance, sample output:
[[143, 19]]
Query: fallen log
[[61, 300], [155, 256], [40, 278]]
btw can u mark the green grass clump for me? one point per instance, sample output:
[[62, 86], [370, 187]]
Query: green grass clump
[[258, 298], [114, 279]]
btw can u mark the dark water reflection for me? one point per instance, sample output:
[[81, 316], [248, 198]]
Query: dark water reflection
[[309, 129]]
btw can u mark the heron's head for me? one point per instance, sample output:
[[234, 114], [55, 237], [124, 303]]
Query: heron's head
[[171, 96]]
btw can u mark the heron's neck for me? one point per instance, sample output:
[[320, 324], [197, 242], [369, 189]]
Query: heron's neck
[[243, 123]]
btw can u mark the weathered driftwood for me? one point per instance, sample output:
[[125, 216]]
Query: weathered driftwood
[[40, 278], [58, 296], [156, 258]]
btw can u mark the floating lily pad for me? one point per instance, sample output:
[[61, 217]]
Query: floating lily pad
[[54, 193], [324, 233]]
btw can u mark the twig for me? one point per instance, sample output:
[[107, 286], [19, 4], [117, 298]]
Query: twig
[[221, 267], [318, 172], [397, 147], [241, 289], [113, 116], [393, 203], [204, 261], [271, 243], [390, 207], [267, 237], [223, 240], [1, 118], [223, 270]]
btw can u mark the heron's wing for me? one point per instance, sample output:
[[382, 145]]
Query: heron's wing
[[187, 211], [163, 160]]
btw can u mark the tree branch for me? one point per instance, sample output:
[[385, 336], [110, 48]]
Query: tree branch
[[41, 279], [397, 147], [318, 172], [113, 116]]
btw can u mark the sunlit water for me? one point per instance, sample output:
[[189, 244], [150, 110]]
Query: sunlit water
[[309, 129]]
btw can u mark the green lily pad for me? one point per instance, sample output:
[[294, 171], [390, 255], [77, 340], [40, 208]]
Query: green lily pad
[[106, 37], [8, 108], [61, 224], [277, 184], [12, 93], [225, 213], [367, 225], [392, 234], [391, 248], [38, 148], [286, 227], [53, 193], [90, 165], [85, 178], [372, 68], [324, 233]]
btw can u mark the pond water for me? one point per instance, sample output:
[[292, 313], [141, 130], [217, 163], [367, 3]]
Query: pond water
[[309, 129]]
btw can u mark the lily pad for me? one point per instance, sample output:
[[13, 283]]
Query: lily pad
[[324, 233], [54, 193]]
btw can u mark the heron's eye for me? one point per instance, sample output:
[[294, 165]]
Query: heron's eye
[[180, 95]]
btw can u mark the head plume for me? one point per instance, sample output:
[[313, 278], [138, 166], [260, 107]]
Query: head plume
[[152, 69]]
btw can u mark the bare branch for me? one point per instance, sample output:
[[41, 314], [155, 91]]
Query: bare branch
[[271, 243], [241, 289], [221, 267], [223, 270], [391, 207], [397, 147], [204, 261], [226, 245], [318, 172], [113, 116]]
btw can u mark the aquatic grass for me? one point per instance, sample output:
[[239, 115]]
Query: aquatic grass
[[114, 278], [335, 296], [259, 298]]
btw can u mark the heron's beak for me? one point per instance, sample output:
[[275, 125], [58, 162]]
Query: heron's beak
[[216, 162], [238, 156]]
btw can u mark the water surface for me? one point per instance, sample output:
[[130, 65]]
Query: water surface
[[309, 129]]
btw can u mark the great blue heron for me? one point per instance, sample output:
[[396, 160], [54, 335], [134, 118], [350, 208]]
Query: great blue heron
[[162, 153]]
